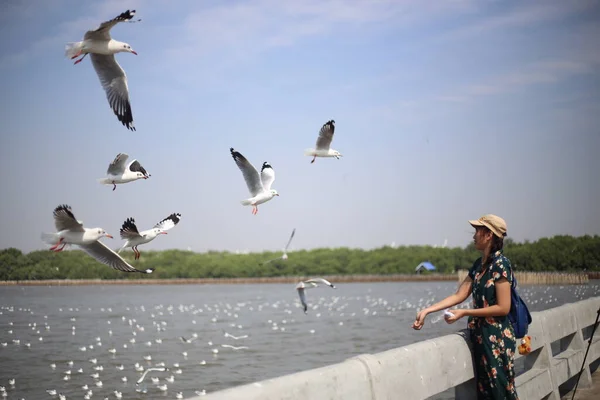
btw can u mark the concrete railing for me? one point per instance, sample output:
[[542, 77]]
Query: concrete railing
[[559, 338]]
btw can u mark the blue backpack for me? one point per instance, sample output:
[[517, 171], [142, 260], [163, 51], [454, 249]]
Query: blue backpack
[[519, 313]]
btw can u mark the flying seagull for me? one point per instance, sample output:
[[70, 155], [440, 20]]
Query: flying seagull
[[284, 256], [323, 142], [102, 49], [134, 238], [258, 185], [120, 171], [71, 231], [308, 284], [160, 369]]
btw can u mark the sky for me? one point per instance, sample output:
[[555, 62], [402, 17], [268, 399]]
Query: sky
[[444, 110]]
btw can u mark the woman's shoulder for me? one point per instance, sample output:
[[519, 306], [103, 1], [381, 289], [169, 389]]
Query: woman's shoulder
[[501, 266]]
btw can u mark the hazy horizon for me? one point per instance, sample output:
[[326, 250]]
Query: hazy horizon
[[444, 112]]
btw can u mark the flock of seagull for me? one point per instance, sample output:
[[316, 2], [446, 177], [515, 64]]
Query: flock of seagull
[[99, 44]]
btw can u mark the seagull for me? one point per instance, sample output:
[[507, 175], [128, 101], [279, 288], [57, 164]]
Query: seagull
[[71, 231], [119, 171], [234, 347], [102, 49], [323, 142], [284, 256], [310, 283], [161, 369], [235, 337], [258, 185], [190, 340], [129, 232]]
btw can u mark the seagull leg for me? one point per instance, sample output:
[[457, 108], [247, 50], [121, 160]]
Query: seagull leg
[[57, 244], [61, 249], [313, 160], [81, 59], [135, 251], [254, 209], [114, 185]]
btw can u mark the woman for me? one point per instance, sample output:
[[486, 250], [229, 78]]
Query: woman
[[491, 332]]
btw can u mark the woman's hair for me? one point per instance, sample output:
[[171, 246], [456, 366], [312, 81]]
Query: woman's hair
[[497, 243]]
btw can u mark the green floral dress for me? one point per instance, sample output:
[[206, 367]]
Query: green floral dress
[[493, 338]]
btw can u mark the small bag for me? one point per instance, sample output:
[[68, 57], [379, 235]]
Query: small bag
[[519, 315]]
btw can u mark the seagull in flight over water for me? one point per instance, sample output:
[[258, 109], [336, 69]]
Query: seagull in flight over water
[[284, 256], [258, 185], [308, 284], [102, 49]]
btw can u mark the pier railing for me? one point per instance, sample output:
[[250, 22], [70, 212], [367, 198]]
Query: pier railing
[[559, 338], [543, 277]]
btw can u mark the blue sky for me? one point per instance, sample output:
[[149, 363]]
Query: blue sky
[[444, 110]]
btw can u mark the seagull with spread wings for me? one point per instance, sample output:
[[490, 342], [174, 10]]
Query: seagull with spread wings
[[120, 171], [284, 256], [259, 185], [322, 148], [134, 238], [102, 49], [71, 231], [308, 284]]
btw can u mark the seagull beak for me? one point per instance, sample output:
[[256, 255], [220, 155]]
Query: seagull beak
[[163, 233], [109, 236], [134, 52]]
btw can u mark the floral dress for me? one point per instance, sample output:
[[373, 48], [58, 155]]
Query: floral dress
[[493, 338]]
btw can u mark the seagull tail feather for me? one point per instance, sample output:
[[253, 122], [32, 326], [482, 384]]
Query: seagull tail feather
[[309, 152], [105, 181], [73, 48], [50, 238], [246, 202]]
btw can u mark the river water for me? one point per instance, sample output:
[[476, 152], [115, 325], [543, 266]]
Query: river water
[[65, 337]]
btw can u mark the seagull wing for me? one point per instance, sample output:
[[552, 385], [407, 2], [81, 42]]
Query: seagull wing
[[250, 173], [117, 167], [64, 219], [135, 166], [271, 260], [168, 222], [320, 280], [103, 31], [302, 298], [267, 175], [290, 241], [114, 81], [129, 230], [325, 135], [100, 252]]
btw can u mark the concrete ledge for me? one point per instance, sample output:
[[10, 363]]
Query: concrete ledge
[[346, 380]]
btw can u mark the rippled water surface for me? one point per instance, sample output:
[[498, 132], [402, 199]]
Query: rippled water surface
[[63, 338]]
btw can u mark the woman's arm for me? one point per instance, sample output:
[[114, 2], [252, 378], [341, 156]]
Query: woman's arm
[[463, 292], [500, 309]]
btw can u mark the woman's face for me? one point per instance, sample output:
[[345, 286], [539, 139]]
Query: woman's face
[[482, 238]]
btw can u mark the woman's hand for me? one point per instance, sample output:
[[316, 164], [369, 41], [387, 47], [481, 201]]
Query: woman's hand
[[420, 319], [458, 314]]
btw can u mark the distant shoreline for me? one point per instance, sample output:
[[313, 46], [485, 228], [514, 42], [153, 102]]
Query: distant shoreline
[[229, 281], [524, 277]]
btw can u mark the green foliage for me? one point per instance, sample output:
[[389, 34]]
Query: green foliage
[[559, 253]]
